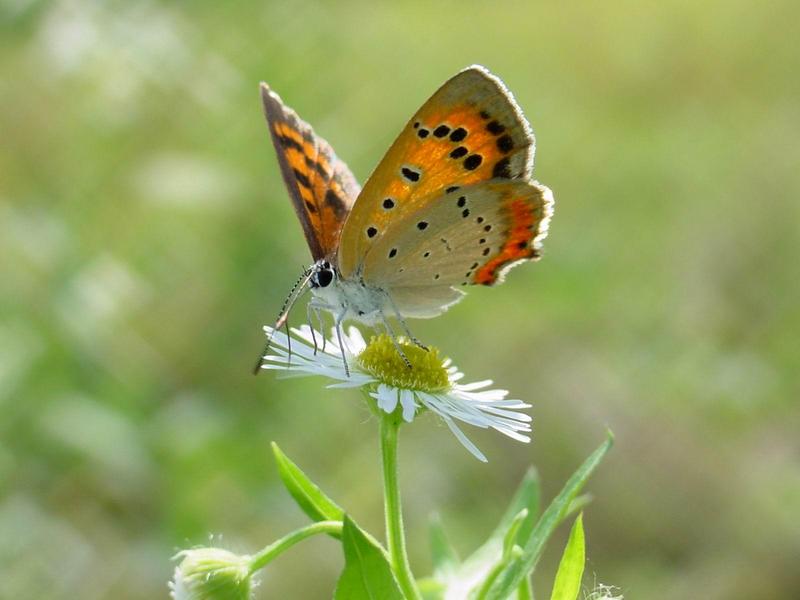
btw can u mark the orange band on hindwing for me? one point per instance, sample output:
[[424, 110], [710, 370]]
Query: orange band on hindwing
[[524, 219]]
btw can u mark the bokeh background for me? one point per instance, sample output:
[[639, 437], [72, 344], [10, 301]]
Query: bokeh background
[[145, 237]]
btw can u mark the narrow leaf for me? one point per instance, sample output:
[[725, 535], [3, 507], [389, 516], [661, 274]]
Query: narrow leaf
[[511, 534], [570, 569], [443, 555], [308, 496], [577, 505], [511, 577], [527, 496], [487, 561], [367, 574], [431, 589]]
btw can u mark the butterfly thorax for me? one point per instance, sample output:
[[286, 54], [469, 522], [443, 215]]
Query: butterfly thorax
[[346, 298]]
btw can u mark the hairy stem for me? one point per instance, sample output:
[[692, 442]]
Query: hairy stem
[[395, 538], [266, 555]]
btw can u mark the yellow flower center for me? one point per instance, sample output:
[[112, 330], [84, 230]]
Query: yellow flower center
[[381, 360]]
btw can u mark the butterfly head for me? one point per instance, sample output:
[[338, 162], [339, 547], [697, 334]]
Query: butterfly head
[[323, 274]]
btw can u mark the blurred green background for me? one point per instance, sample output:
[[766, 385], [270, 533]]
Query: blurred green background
[[145, 237]]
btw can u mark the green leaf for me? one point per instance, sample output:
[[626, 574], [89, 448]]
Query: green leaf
[[577, 505], [367, 574], [487, 560], [528, 496], [570, 570], [431, 588], [511, 535], [512, 575], [308, 496], [445, 559]]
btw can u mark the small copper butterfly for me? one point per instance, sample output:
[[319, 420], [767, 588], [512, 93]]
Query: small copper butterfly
[[451, 204]]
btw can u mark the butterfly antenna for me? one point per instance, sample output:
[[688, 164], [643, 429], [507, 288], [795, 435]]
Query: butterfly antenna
[[297, 289]]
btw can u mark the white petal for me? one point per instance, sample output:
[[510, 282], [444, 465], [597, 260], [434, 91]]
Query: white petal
[[464, 440], [356, 340], [387, 398], [408, 404], [476, 385]]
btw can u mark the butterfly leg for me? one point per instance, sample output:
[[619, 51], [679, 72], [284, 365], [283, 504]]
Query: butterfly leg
[[339, 319], [309, 313], [403, 324], [392, 335], [321, 327], [316, 307], [288, 342]]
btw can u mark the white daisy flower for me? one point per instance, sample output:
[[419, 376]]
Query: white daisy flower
[[431, 383]]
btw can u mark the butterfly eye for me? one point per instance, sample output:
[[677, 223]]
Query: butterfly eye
[[324, 277]]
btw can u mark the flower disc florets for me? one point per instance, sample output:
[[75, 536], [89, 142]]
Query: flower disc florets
[[381, 360]]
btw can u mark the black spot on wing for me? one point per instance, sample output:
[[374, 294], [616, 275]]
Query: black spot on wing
[[301, 179], [441, 131], [505, 143], [410, 174], [289, 142], [333, 200], [318, 168], [472, 162], [458, 134], [495, 128], [502, 168]]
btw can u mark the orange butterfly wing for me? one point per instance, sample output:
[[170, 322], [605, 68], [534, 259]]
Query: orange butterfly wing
[[322, 188], [470, 131]]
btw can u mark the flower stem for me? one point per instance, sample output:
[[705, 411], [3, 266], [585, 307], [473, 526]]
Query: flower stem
[[261, 559], [525, 590], [395, 538]]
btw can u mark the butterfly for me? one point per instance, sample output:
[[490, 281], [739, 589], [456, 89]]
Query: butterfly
[[452, 203]]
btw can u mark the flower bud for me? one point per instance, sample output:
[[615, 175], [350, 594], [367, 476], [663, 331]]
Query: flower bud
[[211, 574]]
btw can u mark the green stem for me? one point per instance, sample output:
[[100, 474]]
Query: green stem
[[525, 590], [261, 559], [395, 538]]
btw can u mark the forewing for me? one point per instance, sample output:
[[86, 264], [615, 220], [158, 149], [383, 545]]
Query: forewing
[[470, 130], [472, 235], [320, 185]]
